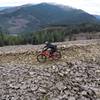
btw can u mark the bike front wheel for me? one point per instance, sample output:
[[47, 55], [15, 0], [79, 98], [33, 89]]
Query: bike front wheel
[[41, 58]]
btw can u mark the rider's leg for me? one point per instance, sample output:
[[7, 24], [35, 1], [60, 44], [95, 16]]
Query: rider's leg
[[52, 51]]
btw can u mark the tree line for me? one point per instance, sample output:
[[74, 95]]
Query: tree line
[[52, 33]]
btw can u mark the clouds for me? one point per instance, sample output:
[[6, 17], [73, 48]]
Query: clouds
[[91, 6]]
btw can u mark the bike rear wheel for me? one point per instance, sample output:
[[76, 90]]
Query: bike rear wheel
[[41, 58]]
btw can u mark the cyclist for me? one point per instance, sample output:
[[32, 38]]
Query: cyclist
[[51, 47]]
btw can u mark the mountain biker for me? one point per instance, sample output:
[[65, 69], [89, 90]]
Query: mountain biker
[[51, 47]]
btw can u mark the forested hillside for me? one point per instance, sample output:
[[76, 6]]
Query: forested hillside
[[51, 33]]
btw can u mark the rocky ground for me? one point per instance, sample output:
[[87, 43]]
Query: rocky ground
[[76, 76]]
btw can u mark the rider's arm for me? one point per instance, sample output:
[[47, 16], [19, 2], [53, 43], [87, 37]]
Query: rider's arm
[[45, 48]]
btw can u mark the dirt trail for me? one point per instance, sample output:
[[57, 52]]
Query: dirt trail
[[75, 50]]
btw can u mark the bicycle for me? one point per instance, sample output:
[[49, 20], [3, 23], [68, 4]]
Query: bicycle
[[45, 54]]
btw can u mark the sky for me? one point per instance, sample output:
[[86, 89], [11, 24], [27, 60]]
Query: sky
[[90, 6]]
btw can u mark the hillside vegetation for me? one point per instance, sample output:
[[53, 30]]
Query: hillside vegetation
[[53, 34]]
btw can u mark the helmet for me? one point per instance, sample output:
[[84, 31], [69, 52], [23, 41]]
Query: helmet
[[46, 42]]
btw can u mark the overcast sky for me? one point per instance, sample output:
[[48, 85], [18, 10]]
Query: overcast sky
[[91, 6]]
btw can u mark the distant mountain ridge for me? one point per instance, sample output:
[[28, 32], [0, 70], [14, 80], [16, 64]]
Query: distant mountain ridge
[[2, 8], [5, 7], [29, 18], [97, 16]]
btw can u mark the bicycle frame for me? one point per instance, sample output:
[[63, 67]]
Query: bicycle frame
[[46, 53]]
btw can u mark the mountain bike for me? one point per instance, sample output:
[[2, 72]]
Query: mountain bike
[[45, 54]]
